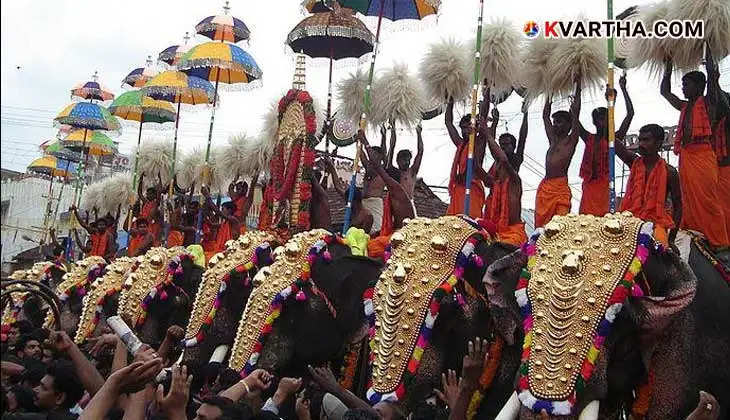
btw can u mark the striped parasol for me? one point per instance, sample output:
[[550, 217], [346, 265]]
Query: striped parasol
[[91, 142], [223, 27]]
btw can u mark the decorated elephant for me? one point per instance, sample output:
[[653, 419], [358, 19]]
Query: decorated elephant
[[102, 298], [21, 305], [306, 307], [72, 289], [605, 321], [158, 293], [221, 298]]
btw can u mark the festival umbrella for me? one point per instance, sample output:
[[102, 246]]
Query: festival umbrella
[[392, 10], [64, 157], [56, 149], [172, 54], [93, 143], [333, 34], [223, 27], [47, 165], [139, 76], [135, 106], [92, 90], [179, 88]]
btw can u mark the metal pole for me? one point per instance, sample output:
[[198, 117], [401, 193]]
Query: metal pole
[[474, 103], [206, 168], [329, 101], [611, 122], [363, 122]]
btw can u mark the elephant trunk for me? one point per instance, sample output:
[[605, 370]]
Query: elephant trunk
[[510, 409]]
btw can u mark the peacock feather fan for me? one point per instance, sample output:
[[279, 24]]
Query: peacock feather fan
[[534, 70], [397, 96], [499, 61], [651, 52], [571, 57], [350, 93], [444, 71], [155, 156]]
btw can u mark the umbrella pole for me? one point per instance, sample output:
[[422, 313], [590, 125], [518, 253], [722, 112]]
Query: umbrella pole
[[611, 119], [206, 168], [363, 121], [170, 191], [474, 99], [79, 175], [134, 183], [329, 101], [60, 194], [86, 162], [47, 215]]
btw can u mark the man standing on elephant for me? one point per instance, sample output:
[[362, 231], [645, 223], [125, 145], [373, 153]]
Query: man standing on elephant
[[650, 181], [698, 171], [553, 194]]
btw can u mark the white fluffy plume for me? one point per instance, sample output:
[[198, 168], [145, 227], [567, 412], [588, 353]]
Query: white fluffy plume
[[155, 156], [350, 92], [534, 71], [192, 166], [444, 71], [650, 51], [92, 197], [116, 191], [687, 53], [244, 155], [499, 55], [571, 57], [397, 96], [271, 122]]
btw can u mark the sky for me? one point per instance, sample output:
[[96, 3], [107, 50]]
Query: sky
[[48, 47]]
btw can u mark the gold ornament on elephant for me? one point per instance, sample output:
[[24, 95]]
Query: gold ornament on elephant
[[268, 282], [151, 271], [77, 277], [18, 298], [238, 252], [424, 254], [578, 263], [111, 281]]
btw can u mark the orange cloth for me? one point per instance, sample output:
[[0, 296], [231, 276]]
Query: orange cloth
[[723, 189], [553, 197], [701, 127], [386, 227], [154, 227], [98, 244], [134, 243], [660, 235], [209, 242], [457, 189], [701, 206], [595, 197], [224, 235], [721, 133], [513, 234], [239, 202], [376, 247], [646, 196], [586, 166], [175, 238], [497, 211]]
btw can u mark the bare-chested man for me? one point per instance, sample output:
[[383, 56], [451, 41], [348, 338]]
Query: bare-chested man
[[408, 171], [361, 217], [373, 189], [504, 207], [553, 194], [594, 167]]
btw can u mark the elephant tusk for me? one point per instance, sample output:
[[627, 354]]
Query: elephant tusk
[[510, 409], [219, 354], [590, 412]]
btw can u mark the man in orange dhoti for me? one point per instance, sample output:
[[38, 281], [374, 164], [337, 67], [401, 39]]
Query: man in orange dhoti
[[505, 206], [553, 194], [457, 182], [151, 208], [594, 166], [241, 195], [650, 181], [141, 239], [698, 170], [721, 132], [229, 227]]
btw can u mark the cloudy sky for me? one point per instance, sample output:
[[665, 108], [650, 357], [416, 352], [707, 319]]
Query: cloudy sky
[[48, 47]]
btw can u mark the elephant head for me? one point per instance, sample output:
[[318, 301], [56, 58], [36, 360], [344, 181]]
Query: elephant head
[[221, 298], [306, 307], [102, 298], [596, 306], [72, 289], [22, 305], [427, 304], [157, 293]]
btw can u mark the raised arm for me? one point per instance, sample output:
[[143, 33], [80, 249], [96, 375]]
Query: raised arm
[[546, 111], [666, 88], [140, 188], [249, 198], [81, 221], [232, 188], [523, 135], [391, 147], [449, 120], [497, 153], [624, 128], [81, 243], [54, 239], [416, 166], [486, 99], [340, 187], [575, 113], [676, 192], [623, 153]]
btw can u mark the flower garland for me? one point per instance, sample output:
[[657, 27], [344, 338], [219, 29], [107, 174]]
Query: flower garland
[[349, 366], [80, 288], [488, 374], [624, 288], [174, 275], [259, 258], [465, 257], [317, 252]]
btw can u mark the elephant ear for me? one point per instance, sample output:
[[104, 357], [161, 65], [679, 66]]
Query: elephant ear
[[500, 281]]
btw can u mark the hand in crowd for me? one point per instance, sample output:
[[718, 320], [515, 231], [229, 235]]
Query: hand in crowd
[[450, 384], [60, 341], [302, 407], [325, 378], [287, 388], [474, 361], [176, 332], [258, 380], [173, 404], [99, 343], [134, 377], [707, 408]]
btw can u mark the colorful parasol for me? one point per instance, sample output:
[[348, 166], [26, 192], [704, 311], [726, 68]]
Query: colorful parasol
[[92, 90], [139, 76], [333, 34], [223, 27], [172, 54], [89, 116], [392, 10], [56, 149], [220, 62], [47, 165], [90, 142]]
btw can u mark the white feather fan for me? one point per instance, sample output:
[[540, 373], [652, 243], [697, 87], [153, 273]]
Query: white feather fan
[[571, 57], [155, 156], [397, 96], [687, 53], [271, 122], [499, 59], [650, 51], [116, 191], [534, 70], [192, 166], [92, 197], [234, 158], [350, 93], [444, 71]]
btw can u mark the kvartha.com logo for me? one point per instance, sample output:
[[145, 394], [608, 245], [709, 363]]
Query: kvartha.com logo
[[614, 29]]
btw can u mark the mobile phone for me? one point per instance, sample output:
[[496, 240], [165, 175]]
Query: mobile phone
[[125, 333]]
